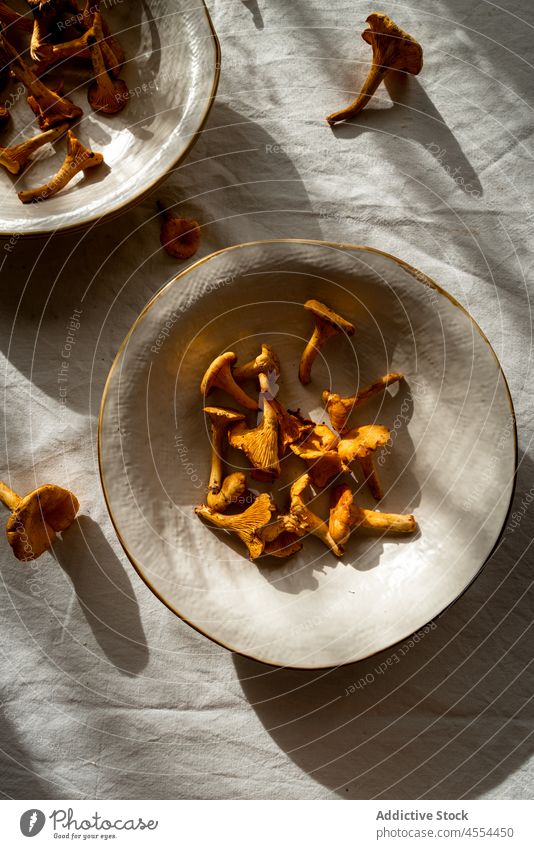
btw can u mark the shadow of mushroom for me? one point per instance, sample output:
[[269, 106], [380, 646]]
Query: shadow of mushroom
[[414, 118], [19, 778], [106, 595], [252, 6], [446, 718]]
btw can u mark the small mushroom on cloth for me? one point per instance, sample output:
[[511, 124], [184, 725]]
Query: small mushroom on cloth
[[260, 444], [345, 516], [339, 408], [327, 324], [359, 444], [36, 518], [219, 375], [180, 237], [78, 158], [246, 525], [393, 50], [16, 158]]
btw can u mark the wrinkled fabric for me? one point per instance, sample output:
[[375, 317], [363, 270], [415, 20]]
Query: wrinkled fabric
[[104, 692]]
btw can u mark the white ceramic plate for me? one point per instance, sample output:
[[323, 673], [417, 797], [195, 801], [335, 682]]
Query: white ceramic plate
[[172, 71], [451, 460]]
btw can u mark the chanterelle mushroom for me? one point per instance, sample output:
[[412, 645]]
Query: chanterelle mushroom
[[345, 516], [339, 409], [327, 324], [280, 536], [219, 374], [359, 444], [16, 157], [105, 94], [305, 520], [319, 450], [50, 108], [393, 50], [232, 493], [180, 237], [267, 362], [36, 518], [245, 525], [78, 158], [220, 419], [260, 444]]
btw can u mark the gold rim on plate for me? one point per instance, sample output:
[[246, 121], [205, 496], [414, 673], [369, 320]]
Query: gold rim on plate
[[420, 277]]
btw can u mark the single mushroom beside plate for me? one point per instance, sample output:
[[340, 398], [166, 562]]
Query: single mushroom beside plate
[[36, 518], [393, 50], [327, 324], [306, 521]]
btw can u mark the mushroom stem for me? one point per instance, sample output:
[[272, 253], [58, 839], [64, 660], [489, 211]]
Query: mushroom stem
[[10, 18], [371, 478], [339, 409], [8, 497], [219, 374], [217, 448], [51, 109], [327, 324], [78, 158], [400, 523], [345, 516], [15, 158], [372, 81]]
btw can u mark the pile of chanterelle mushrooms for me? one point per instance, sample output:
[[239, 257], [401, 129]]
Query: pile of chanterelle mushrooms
[[61, 32], [327, 452]]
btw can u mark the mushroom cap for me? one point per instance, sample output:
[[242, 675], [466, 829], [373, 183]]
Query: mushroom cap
[[260, 445], [246, 524], [406, 52], [341, 511], [180, 237], [221, 416], [224, 361], [361, 441], [31, 529], [324, 313]]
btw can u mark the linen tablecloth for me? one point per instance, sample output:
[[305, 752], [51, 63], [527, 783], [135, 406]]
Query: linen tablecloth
[[104, 692]]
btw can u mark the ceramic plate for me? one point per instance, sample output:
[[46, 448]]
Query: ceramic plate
[[451, 458], [172, 70]]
